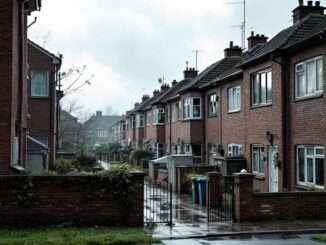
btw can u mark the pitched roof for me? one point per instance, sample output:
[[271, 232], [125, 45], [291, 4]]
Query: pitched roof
[[311, 26], [43, 50], [213, 71]]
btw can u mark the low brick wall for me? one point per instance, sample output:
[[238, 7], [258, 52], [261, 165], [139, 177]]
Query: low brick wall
[[80, 200], [184, 185], [281, 205]]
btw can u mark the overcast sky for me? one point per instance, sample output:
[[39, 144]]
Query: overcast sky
[[129, 44]]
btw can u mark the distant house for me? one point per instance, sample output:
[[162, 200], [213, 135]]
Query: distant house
[[44, 73], [100, 129]]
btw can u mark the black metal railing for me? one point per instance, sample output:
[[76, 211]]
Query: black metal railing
[[157, 203], [220, 200]]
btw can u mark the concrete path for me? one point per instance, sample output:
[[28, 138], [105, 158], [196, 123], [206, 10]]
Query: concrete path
[[190, 221]]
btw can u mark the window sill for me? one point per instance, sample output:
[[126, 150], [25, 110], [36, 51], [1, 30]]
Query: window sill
[[232, 112], [158, 124], [191, 119], [316, 96], [40, 97], [212, 116], [259, 176], [304, 187], [261, 105]]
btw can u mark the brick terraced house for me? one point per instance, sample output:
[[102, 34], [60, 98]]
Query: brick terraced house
[[13, 69], [266, 105]]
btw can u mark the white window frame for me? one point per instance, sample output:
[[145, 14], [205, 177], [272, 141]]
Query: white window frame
[[188, 149], [180, 112], [212, 105], [174, 113], [312, 157], [261, 158], [263, 85], [157, 112], [133, 122], [231, 148], [212, 150], [235, 106], [33, 94], [148, 118], [300, 70], [103, 133], [189, 107], [139, 121], [167, 115]]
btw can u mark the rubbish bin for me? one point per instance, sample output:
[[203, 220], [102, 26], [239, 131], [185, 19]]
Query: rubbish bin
[[194, 190], [202, 190]]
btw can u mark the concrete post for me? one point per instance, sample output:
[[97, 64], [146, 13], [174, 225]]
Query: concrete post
[[243, 192]]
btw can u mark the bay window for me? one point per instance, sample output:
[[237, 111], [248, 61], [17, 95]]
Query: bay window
[[310, 165], [309, 77], [139, 121], [261, 88], [191, 108], [234, 99]]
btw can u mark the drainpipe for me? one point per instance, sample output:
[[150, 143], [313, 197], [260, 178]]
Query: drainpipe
[[286, 123]]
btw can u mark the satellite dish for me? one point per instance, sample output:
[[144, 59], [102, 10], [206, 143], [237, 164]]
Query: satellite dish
[[160, 80]]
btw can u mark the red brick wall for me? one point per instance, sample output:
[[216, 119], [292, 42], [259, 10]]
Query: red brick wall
[[80, 200], [155, 133], [42, 110], [307, 117], [261, 119], [13, 82]]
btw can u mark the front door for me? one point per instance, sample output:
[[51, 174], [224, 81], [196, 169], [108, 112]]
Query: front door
[[273, 169]]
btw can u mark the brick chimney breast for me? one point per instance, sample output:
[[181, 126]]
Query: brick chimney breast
[[98, 113], [190, 73], [145, 97], [232, 51], [165, 87], [253, 40], [155, 92], [302, 10], [174, 82]]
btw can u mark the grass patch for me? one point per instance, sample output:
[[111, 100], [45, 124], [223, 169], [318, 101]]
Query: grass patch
[[73, 236], [319, 238]]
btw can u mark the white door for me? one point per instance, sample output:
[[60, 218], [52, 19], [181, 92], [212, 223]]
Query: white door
[[273, 169]]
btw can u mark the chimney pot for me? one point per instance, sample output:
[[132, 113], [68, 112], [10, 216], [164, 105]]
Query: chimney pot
[[231, 44], [310, 3], [317, 3], [252, 33], [300, 2], [302, 11]]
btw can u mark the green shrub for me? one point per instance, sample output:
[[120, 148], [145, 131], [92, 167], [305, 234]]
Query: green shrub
[[62, 166], [85, 162], [138, 154]]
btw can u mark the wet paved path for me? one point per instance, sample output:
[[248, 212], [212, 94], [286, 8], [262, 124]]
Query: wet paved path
[[190, 220]]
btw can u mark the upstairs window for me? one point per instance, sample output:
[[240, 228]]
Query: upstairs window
[[102, 133], [234, 99], [212, 105], [174, 113], [139, 121], [258, 159], [133, 122], [159, 116], [167, 115], [310, 165], [261, 88], [191, 108], [234, 150], [148, 119], [179, 107], [309, 77], [40, 83]]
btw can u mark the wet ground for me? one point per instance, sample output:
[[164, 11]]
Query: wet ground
[[190, 221]]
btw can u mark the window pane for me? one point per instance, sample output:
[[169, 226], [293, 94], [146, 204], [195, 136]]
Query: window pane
[[319, 171], [319, 74], [301, 164], [311, 77], [261, 163], [256, 161], [238, 98], [300, 85], [310, 170], [255, 90], [269, 86], [39, 83], [230, 100], [319, 151], [263, 88], [196, 101], [310, 151]]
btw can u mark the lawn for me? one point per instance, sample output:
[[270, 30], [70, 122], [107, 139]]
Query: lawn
[[319, 238], [72, 236]]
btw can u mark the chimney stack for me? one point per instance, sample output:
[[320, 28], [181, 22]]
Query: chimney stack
[[190, 73], [144, 98], [232, 51], [174, 82], [98, 113], [302, 10], [253, 40], [136, 104], [164, 87], [155, 92]]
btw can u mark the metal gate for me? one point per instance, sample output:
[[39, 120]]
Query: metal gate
[[157, 203], [220, 200]]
